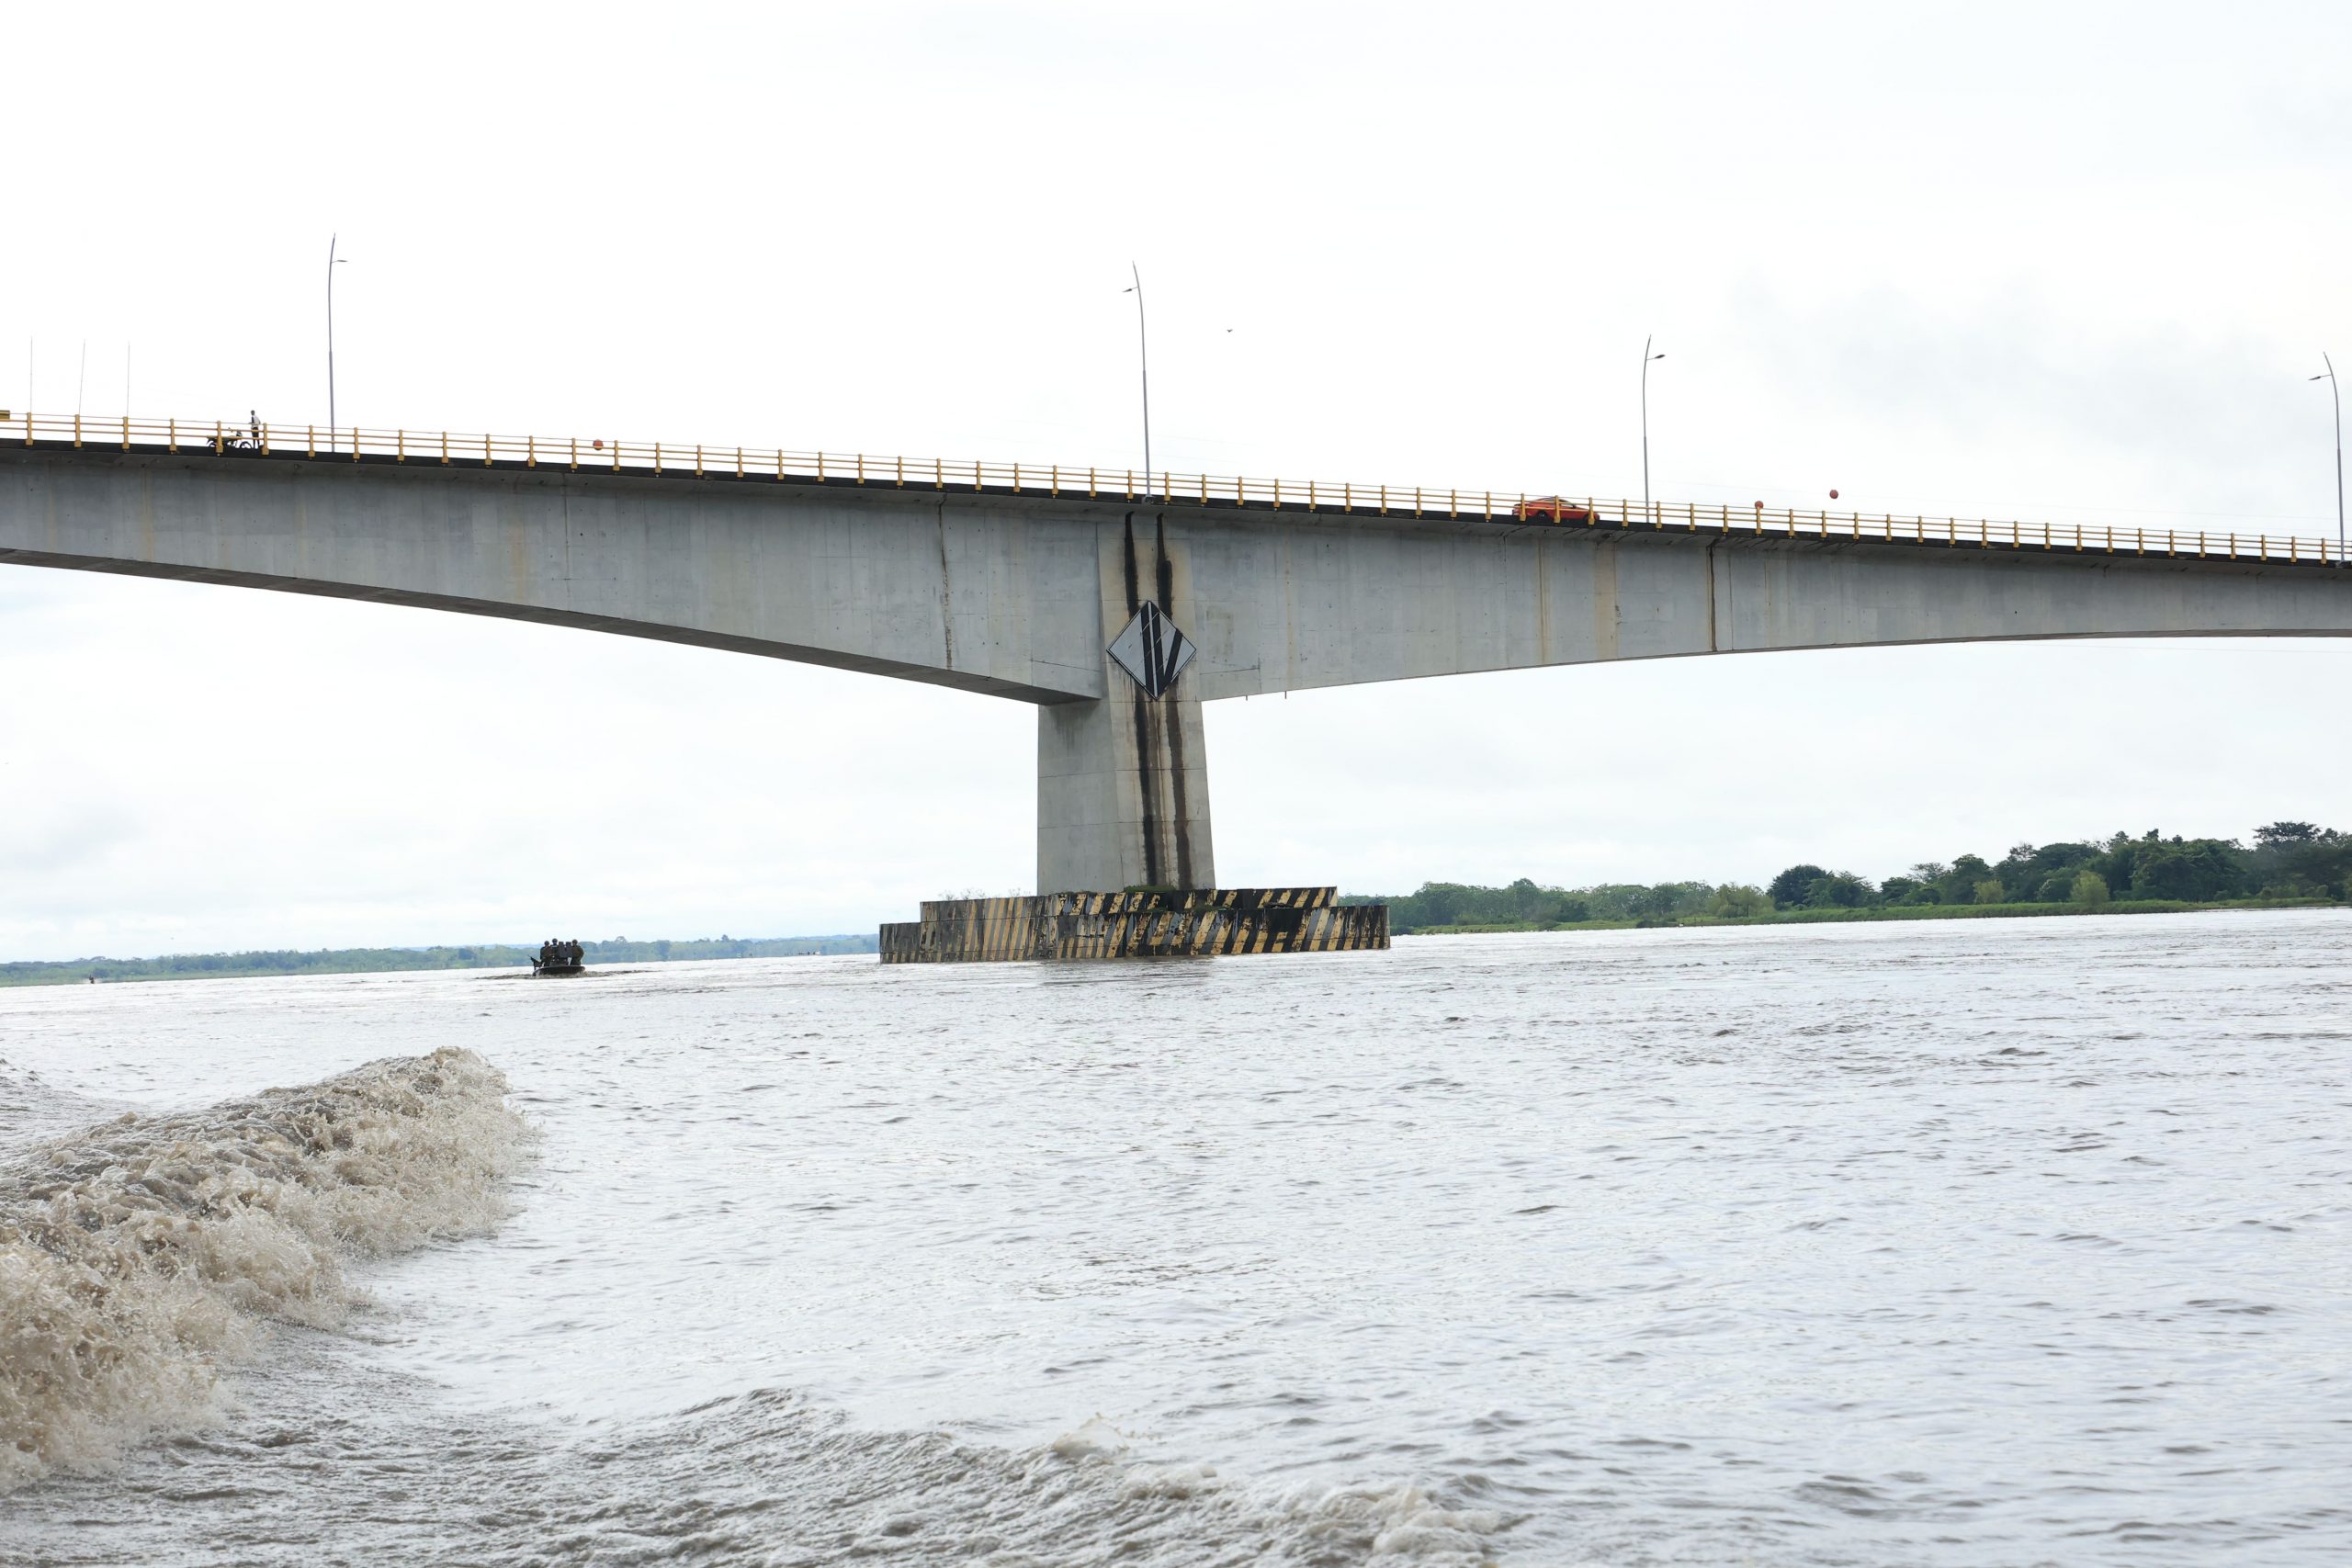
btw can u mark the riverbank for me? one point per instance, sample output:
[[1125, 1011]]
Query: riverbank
[[398, 960], [1886, 912]]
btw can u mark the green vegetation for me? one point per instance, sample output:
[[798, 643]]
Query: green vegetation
[[363, 960], [2289, 863]]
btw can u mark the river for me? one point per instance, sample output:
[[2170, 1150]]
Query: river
[[1979, 1242]]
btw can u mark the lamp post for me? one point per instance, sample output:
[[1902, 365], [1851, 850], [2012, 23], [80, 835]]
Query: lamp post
[[1143, 358], [1647, 357], [2337, 397], [332, 264]]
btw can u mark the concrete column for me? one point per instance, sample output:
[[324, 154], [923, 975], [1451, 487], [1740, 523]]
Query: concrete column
[[1122, 785]]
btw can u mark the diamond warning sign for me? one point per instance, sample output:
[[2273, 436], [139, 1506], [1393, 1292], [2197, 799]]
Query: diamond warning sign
[[1152, 651]]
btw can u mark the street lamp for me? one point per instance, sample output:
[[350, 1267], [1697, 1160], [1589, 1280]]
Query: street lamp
[[332, 264], [1647, 357], [2337, 397], [1143, 352]]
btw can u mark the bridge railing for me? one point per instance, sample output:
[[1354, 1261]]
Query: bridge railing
[[606, 454]]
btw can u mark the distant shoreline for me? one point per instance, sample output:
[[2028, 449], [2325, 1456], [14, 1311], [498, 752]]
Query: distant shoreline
[[1886, 912], [261, 964], [413, 960]]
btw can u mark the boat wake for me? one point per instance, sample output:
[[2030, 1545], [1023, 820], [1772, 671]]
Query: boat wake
[[142, 1256], [328, 1454]]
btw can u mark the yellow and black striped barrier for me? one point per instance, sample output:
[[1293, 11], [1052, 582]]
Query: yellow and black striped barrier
[[1138, 923]]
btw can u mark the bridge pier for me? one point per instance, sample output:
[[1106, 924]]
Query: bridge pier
[[1123, 795], [1123, 782]]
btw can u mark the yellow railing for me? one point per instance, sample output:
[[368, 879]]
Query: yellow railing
[[443, 448]]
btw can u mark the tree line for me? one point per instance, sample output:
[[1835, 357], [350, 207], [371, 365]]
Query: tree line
[[2285, 861]]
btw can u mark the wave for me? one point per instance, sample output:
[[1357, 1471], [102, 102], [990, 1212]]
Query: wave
[[142, 1256], [343, 1461]]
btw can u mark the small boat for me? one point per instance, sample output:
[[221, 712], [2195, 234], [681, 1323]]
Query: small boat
[[558, 959]]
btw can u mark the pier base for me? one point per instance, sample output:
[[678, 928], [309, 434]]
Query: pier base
[[1143, 923]]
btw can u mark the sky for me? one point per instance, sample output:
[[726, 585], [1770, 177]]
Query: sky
[[2073, 261]]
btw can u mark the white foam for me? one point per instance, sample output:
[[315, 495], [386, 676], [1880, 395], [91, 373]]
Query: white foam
[[1097, 1438], [140, 1258], [1369, 1523]]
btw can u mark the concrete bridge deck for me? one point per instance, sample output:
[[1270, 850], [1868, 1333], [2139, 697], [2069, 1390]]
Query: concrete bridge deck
[[655, 459], [1012, 580]]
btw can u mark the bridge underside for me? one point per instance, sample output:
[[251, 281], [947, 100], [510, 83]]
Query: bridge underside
[[1020, 596]]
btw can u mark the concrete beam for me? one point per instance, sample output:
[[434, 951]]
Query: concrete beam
[[1294, 604], [923, 587]]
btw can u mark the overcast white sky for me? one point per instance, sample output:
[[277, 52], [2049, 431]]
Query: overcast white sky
[[2062, 260]]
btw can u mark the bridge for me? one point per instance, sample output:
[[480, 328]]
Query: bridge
[[1115, 603]]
